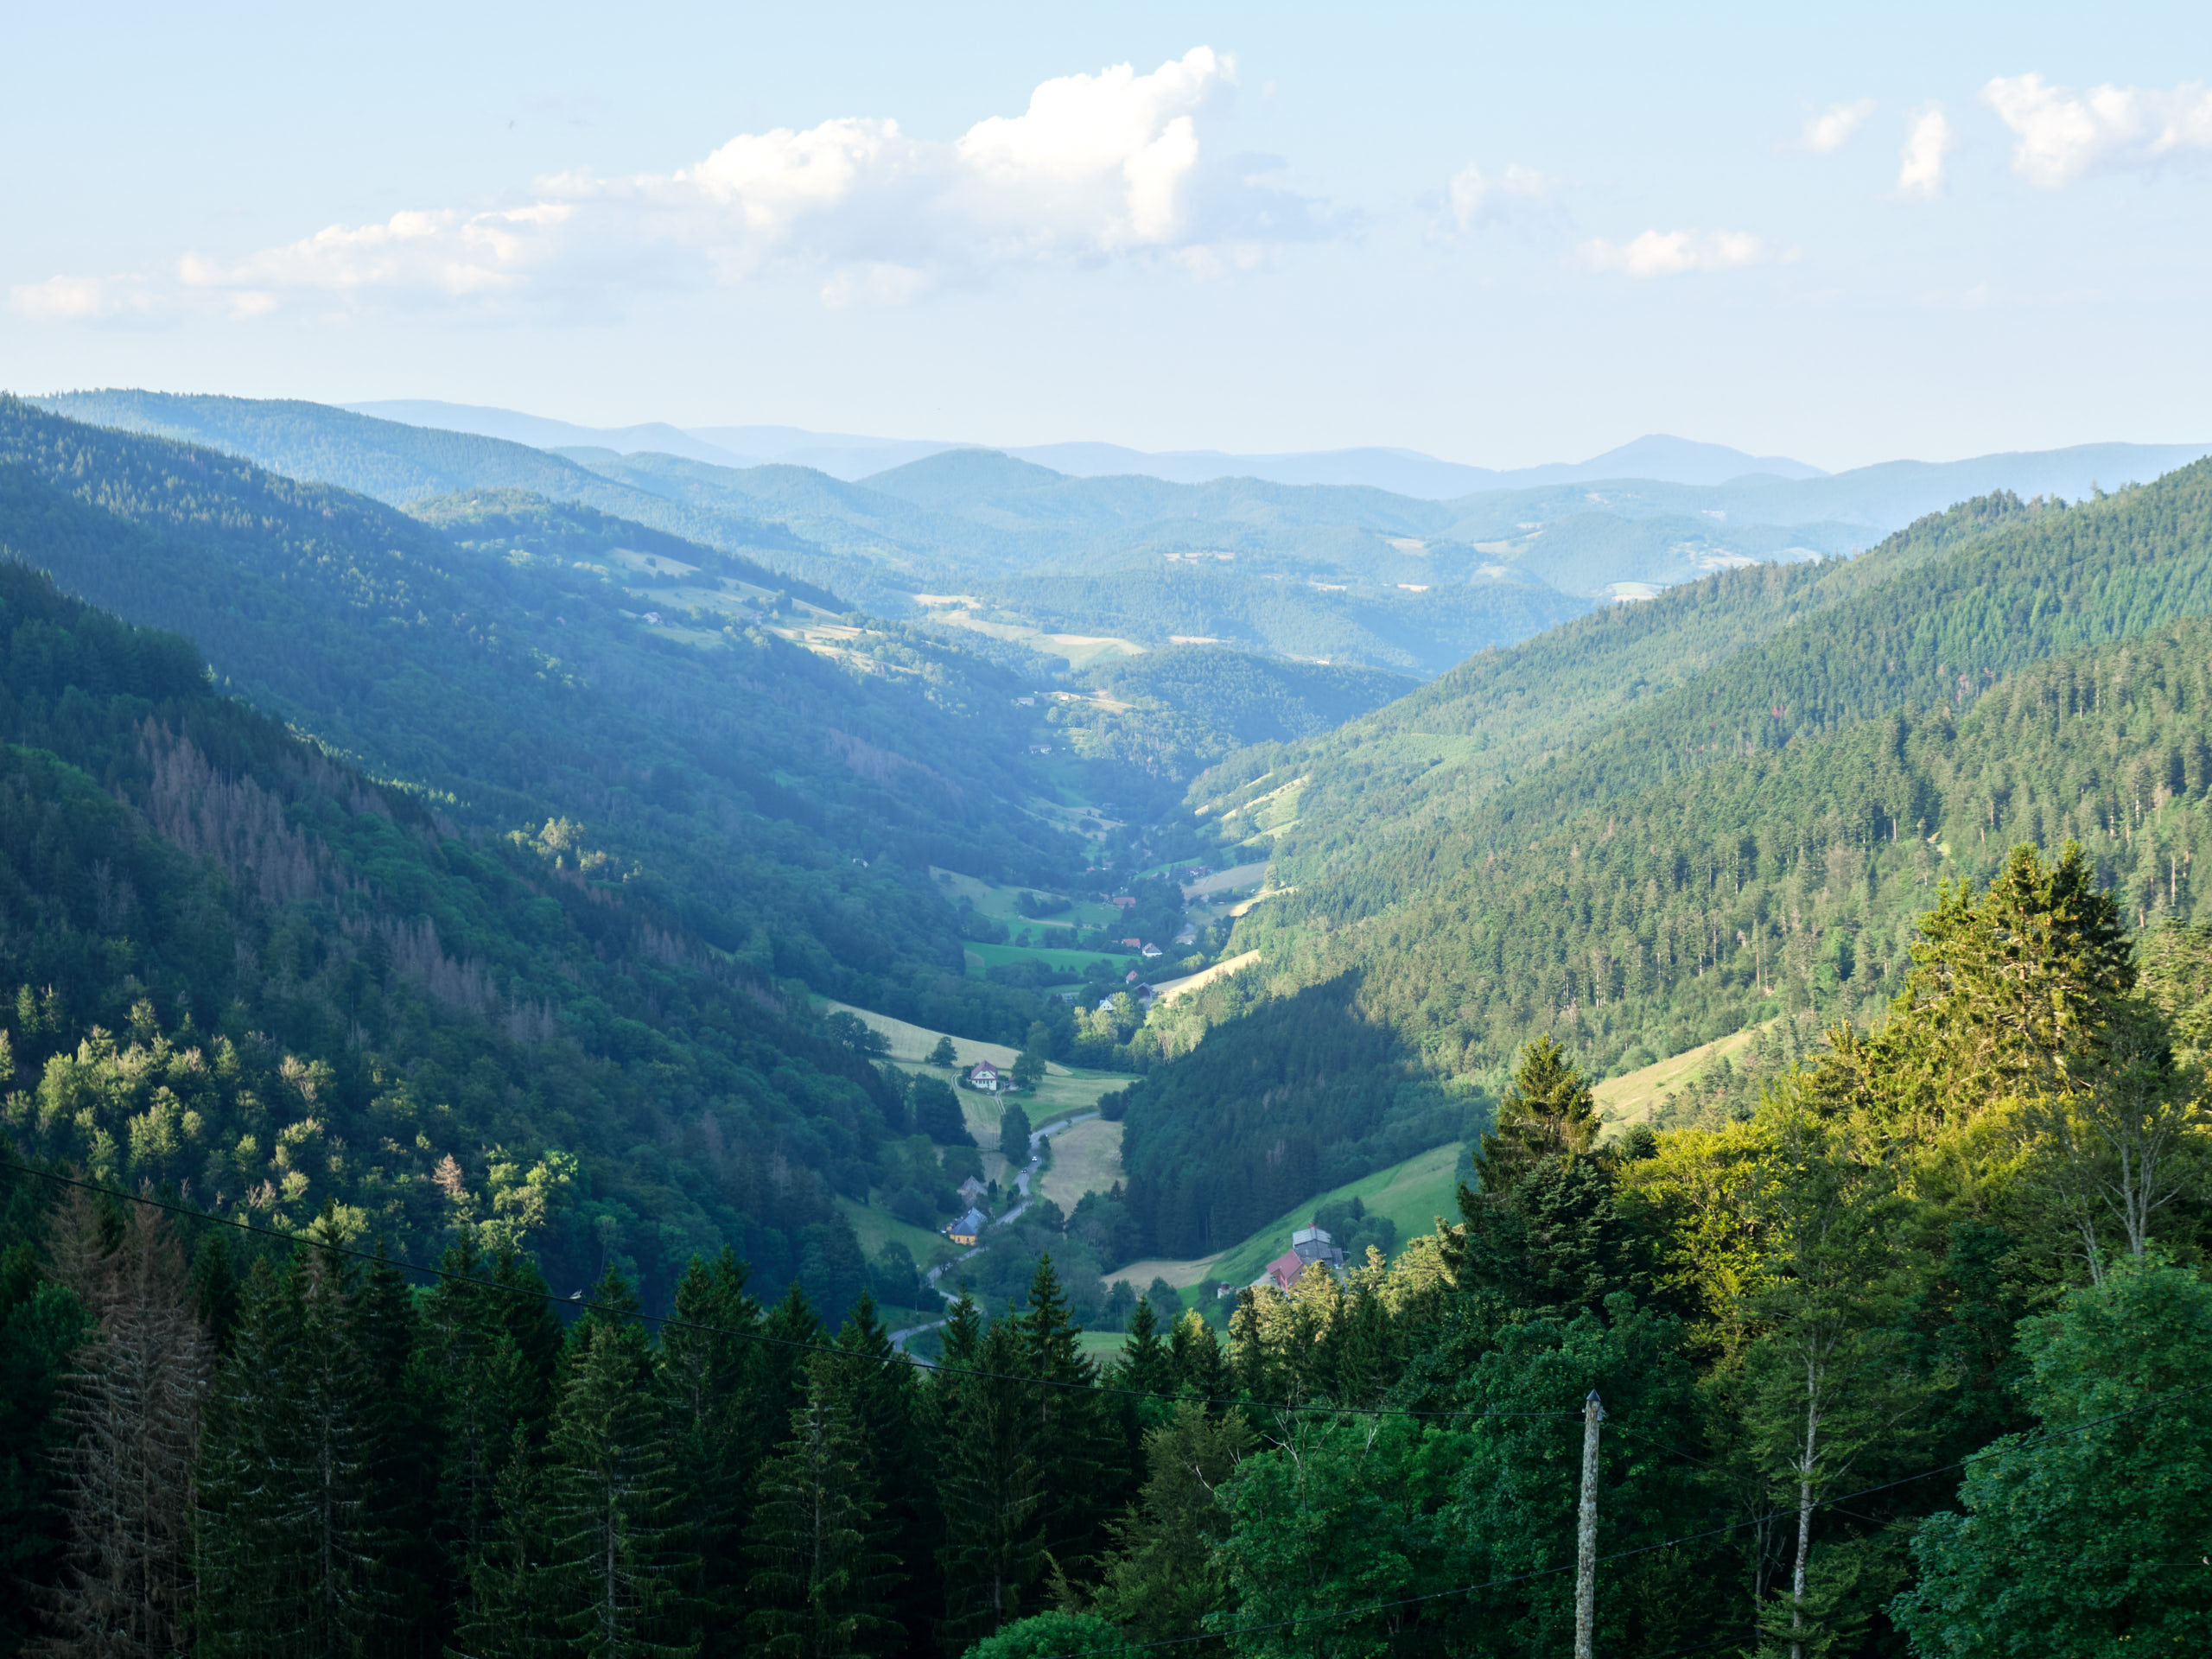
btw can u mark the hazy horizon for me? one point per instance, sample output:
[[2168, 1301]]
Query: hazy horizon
[[1497, 238]]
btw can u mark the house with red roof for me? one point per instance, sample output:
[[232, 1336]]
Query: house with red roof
[[1307, 1246]]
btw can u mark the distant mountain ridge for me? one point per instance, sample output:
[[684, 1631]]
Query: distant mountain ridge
[[854, 457], [1321, 570]]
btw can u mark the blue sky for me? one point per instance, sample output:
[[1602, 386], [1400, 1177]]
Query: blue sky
[[1501, 235]]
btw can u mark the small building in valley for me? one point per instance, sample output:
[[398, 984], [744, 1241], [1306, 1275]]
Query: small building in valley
[[971, 1192], [968, 1228], [985, 1076], [1307, 1246]]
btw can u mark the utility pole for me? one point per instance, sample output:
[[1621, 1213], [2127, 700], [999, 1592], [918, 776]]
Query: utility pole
[[1586, 1534]]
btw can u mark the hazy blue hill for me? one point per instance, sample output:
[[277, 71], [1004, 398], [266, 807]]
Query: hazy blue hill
[[852, 519], [975, 481], [1188, 705], [518, 519], [1895, 491], [962, 478], [1590, 552], [543, 434], [782, 807], [1401, 471], [1880, 498], [391, 461], [1419, 633], [398, 464], [1670, 460]]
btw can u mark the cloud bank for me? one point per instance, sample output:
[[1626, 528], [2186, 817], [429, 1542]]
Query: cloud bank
[[1104, 167], [2061, 135]]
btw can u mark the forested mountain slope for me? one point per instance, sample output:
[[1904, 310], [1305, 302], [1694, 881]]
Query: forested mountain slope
[[1504, 712], [1781, 882], [1747, 847], [781, 807], [399, 464], [1171, 711], [237, 969], [1903, 631]]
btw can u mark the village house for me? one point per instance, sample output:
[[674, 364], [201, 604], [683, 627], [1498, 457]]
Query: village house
[[968, 1228], [985, 1076], [971, 1192], [1151, 950], [1307, 1246]]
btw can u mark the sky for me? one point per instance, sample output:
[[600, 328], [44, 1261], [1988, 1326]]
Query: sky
[[1501, 235]]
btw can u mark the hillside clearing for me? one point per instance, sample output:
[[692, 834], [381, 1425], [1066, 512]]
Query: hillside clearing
[[1634, 1097], [1413, 1194], [1085, 1159], [1169, 990], [1063, 1090]]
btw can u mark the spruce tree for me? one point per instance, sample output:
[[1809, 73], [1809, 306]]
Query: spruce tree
[[780, 1361], [705, 1374], [876, 1385], [614, 1569], [1142, 1368], [506, 1615], [399, 1468], [1196, 1361], [296, 1519], [989, 1481], [1547, 1111], [482, 1370], [820, 1580], [1075, 1478]]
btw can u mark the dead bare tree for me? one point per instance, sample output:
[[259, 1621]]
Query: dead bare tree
[[134, 1401]]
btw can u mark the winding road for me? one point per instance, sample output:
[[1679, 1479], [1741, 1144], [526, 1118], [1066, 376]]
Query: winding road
[[1037, 1140]]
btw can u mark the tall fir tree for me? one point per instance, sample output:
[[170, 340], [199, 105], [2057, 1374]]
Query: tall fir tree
[[1077, 1478], [1546, 1110], [877, 1386], [614, 1569], [706, 1373], [297, 1517], [822, 1577], [482, 1370], [993, 1559]]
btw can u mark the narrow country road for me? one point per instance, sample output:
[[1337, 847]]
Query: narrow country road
[[1036, 1139]]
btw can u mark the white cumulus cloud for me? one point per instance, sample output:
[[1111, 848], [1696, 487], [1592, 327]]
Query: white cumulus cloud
[[1098, 166], [1476, 196], [1830, 130], [1928, 141], [2060, 134], [1678, 253]]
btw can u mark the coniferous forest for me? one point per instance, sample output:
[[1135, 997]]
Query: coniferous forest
[[1911, 1357], [432, 1191]]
